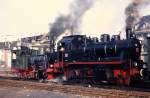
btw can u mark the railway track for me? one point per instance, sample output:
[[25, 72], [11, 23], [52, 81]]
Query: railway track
[[77, 90]]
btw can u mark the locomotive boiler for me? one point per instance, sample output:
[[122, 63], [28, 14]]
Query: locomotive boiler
[[91, 48]]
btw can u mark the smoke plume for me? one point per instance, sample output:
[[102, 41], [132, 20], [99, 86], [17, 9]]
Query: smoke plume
[[72, 20], [132, 12]]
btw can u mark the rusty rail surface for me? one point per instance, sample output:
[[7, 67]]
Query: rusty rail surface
[[91, 92]]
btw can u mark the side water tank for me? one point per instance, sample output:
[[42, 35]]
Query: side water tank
[[105, 38], [115, 37]]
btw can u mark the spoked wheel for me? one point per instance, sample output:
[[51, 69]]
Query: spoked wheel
[[127, 81], [83, 81], [124, 81], [18, 76], [120, 81], [36, 75], [94, 81]]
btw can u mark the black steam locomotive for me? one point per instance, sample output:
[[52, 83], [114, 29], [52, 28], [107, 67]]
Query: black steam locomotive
[[87, 60], [91, 60]]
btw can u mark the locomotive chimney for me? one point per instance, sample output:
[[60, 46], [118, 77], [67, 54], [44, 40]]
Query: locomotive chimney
[[132, 15], [130, 22]]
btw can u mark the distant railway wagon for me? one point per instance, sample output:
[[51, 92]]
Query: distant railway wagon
[[27, 64]]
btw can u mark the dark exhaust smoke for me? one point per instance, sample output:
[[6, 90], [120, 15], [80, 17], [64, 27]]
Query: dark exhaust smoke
[[71, 21], [132, 13]]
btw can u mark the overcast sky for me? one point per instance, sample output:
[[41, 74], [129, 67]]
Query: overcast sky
[[29, 17], [19, 18]]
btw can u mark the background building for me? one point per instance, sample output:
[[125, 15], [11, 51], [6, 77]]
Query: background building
[[142, 31]]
